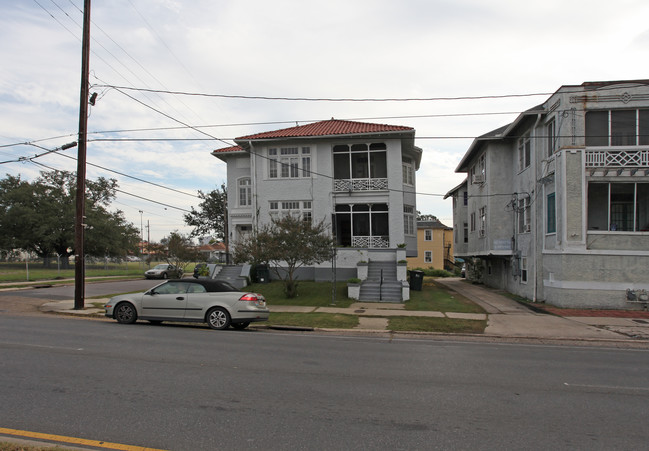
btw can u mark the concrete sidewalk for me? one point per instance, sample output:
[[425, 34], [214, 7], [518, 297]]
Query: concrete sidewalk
[[508, 318], [505, 317]]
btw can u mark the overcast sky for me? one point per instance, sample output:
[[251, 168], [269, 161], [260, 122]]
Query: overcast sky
[[361, 49]]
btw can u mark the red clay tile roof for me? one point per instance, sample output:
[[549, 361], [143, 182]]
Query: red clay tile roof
[[329, 128], [229, 149]]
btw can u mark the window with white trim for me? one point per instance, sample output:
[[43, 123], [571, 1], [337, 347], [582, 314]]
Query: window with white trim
[[408, 171], [551, 214], [428, 256], [296, 207], [245, 192], [523, 269], [483, 221], [289, 162], [408, 219], [472, 220], [428, 235]]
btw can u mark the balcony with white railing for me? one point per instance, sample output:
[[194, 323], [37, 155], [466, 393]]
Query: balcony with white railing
[[619, 158], [371, 241], [366, 184]]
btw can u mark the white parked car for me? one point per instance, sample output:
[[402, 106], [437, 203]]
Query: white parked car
[[216, 303]]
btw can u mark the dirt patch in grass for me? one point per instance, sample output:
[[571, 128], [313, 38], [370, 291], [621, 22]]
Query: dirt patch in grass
[[441, 325], [315, 320]]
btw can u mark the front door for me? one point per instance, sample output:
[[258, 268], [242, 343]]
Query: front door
[[168, 300]]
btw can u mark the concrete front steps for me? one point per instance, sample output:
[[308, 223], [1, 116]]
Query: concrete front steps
[[381, 284]]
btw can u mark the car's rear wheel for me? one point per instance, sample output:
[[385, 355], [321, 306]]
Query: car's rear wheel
[[164, 275], [125, 313], [240, 326], [218, 318]]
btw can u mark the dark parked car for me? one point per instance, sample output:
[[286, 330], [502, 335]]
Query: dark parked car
[[216, 303]]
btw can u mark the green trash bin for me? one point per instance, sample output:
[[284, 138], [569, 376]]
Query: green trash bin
[[416, 280], [262, 274]]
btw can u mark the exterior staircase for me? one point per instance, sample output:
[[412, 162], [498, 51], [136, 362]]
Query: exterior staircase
[[232, 275], [381, 284]]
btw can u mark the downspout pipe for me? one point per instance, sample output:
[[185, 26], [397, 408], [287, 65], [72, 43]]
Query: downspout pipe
[[535, 224]]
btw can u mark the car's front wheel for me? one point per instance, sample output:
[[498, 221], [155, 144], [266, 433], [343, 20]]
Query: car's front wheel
[[218, 318], [164, 275], [125, 313]]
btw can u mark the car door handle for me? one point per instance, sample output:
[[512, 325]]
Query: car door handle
[[180, 298]]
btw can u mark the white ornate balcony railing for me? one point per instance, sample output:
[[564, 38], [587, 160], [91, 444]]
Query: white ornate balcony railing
[[360, 184], [371, 241], [617, 158]]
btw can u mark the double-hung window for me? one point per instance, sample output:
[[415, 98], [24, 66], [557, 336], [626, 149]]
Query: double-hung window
[[408, 219], [289, 162], [293, 207], [245, 192], [483, 221], [428, 235], [551, 214], [551, 137], [524, 151]]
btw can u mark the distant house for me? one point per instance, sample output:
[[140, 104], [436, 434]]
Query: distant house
[[555, 206], [213, 253], [434, 246], [358, 177]]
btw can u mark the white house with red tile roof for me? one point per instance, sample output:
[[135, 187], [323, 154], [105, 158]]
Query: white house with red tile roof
[[358, 177]]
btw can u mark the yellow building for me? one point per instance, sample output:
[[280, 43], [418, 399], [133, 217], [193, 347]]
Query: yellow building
[[434, 246]]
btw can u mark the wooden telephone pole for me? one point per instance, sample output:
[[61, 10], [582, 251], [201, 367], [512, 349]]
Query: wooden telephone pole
[[79, 257]]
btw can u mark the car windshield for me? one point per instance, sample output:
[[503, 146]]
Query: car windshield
[[160, 267]]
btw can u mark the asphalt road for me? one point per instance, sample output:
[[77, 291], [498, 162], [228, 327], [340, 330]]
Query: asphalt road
[[65, 292], [181, 387]]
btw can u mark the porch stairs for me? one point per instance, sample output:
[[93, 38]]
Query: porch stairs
[[232, 275], [372, 290]]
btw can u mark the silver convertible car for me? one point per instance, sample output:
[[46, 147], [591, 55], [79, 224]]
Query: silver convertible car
[[216, 303]]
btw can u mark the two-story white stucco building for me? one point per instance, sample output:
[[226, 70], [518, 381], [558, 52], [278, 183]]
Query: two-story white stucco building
[[357, 177], [555, 206]]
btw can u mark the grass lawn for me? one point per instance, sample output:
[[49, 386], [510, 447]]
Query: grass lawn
[[310, 294], [434, 297]]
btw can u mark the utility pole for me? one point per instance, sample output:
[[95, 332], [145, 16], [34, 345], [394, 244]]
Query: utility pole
[[79, 258]]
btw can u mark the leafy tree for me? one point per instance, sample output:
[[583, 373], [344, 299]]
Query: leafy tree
[[426, 217], [286, 244], [211, 216], [39, 217], [178, 250]]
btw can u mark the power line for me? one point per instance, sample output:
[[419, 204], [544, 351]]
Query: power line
[[324, 99]]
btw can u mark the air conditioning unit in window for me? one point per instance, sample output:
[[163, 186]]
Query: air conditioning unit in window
[[478, 178]]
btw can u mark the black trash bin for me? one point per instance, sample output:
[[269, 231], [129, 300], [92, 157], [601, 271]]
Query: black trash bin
[[416, 280], [262, 274]]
